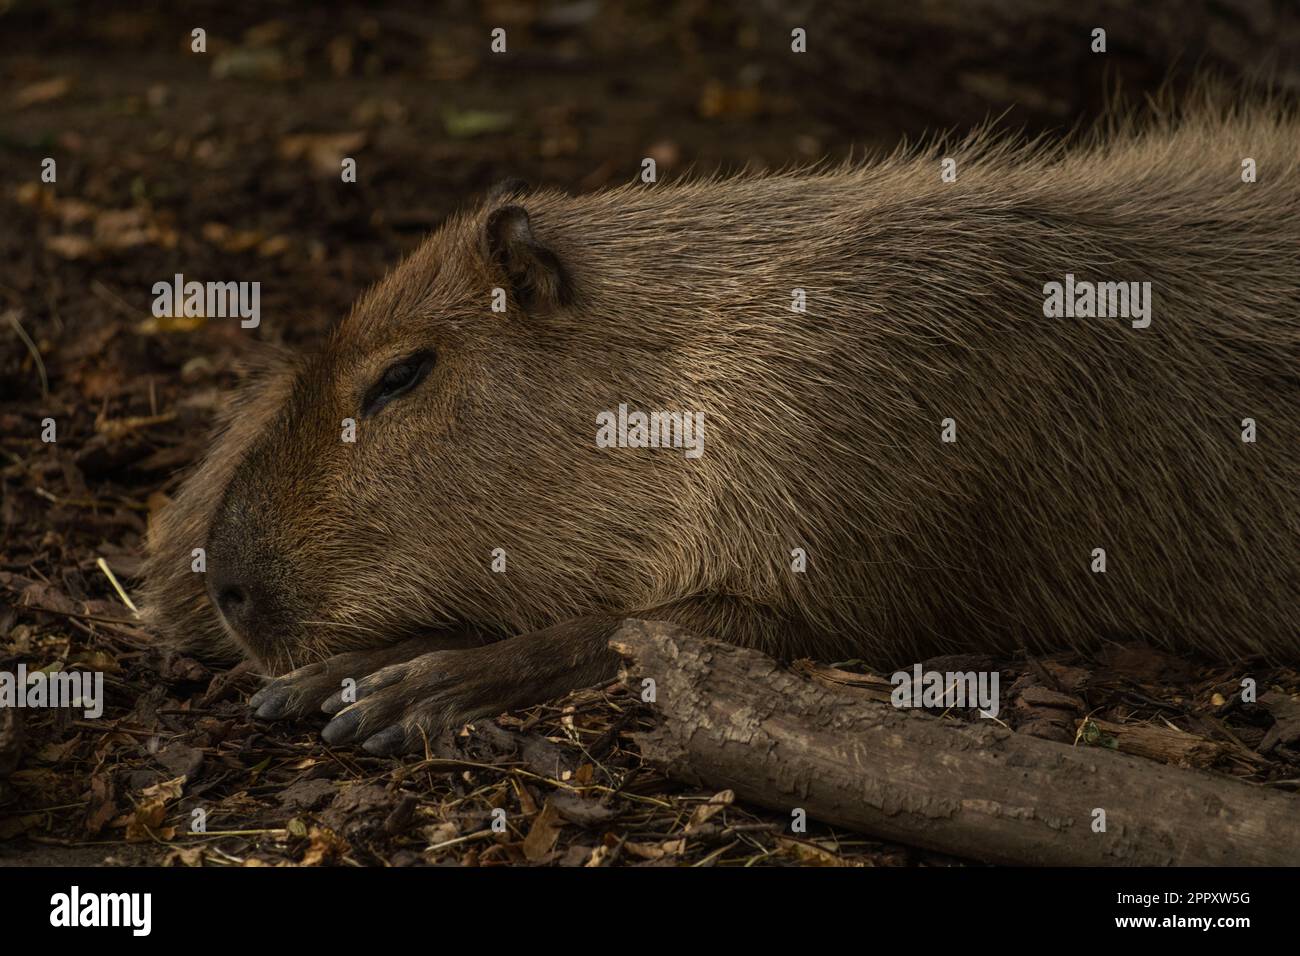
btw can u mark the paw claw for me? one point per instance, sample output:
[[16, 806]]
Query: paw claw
[[270, 703], [342, 728], [386, 742]]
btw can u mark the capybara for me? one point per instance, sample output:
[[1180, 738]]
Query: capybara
[[1036, 397]]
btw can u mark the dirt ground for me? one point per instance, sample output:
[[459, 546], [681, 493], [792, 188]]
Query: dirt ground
[[227, 164]]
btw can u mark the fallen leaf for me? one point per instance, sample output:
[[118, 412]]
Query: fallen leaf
[[718, 100], [543, 834], [808, 853], [440, 833], [306, 794], [702, 813], [70, 247], [250, 63], [275, 246], [644, 851], [55, 753], [362, 797], [47, 596], [325, 845], [1286, 714], [466, 124], [123, 229], [103, 805], [146, 821], [652, 851], [179, 759], [184, 856], [96, 660], [170, 323], [580, 810], [324, 151], [165, 790], [44, 91]]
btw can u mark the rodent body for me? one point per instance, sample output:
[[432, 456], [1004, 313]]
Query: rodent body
[[923, 301]]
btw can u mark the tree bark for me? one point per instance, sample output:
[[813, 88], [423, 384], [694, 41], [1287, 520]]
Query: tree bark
[[731, 717]]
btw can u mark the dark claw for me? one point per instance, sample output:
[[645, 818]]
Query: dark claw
[[342, 728], [334, 703], [270, 703], [386, 742]]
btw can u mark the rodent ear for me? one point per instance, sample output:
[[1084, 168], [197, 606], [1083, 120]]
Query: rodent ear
[[536, 275], [511, 188]]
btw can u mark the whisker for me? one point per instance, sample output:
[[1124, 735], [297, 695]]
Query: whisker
[[344, 624]]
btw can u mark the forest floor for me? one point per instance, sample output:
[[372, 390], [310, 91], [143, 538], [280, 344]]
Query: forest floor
[[227, 163]]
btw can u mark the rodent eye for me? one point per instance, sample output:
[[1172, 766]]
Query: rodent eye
[[398, 379]]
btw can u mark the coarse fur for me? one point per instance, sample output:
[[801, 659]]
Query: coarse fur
[[924, 302]]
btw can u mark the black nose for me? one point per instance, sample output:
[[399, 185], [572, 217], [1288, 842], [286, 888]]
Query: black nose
[[250, 580], [232, 599], [245, 603]]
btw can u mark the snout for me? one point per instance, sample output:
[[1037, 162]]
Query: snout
[[249, 583], [248, 606]]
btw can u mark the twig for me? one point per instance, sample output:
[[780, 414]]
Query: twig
[[112, 579], [477, 835], [12, 316], [90, 502]]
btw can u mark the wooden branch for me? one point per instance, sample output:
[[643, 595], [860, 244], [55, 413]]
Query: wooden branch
[[1165, 744], [732, 718]]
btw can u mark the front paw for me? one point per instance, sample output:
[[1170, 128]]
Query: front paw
[[299, 693], [398, 707]]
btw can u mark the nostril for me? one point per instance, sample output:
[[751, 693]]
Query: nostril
[[232, 598]]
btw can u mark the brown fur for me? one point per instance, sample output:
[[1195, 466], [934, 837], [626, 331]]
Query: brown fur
[[822, 429]]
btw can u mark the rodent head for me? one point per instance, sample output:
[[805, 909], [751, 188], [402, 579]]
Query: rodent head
[[434, 466]]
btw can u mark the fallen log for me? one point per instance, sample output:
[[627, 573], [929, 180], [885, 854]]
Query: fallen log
[[733, 718]]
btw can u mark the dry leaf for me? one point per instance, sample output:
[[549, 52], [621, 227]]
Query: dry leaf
[[184, 856], [543, 834], [645, 851], [440, 833], [43, 92], [102, 806], [466, 124], [55, 753], [325, 845], [655, 851], [324, 151], [716, 803], [70, 247], [250, 63], [145, 822], [275, 246], [808, 853], [123, 229]]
